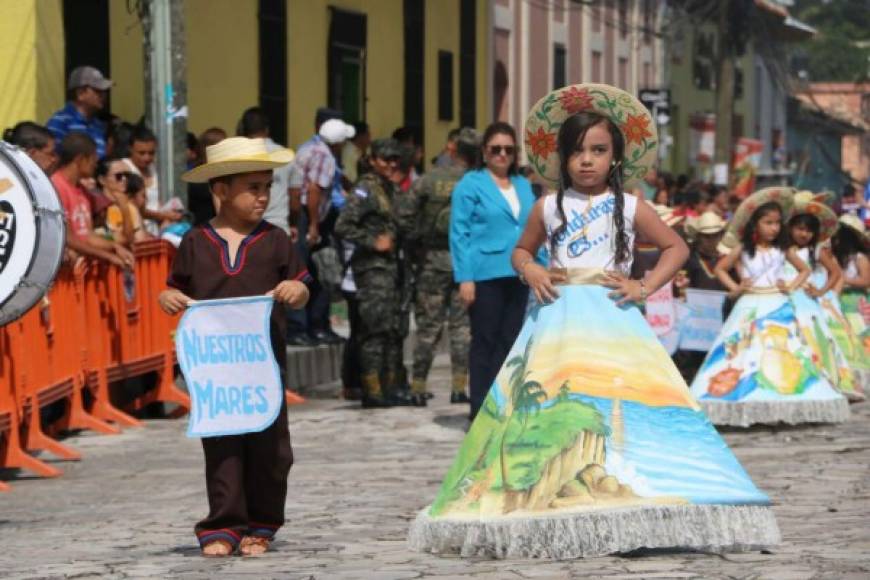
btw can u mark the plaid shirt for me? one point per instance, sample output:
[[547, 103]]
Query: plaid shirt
[[314, 163]]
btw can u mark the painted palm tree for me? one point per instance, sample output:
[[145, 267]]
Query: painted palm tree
[[525, 397], [564, 391], [527, 401]]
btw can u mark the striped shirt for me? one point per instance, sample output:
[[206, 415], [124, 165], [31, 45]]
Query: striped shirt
[[70, 120]]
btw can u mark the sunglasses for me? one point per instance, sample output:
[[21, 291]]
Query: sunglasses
[[118, 176], [497, 149]]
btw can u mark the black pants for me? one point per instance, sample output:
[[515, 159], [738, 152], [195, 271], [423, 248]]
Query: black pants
[[319, 302], [351, 371], [496, 316], [246, 482]]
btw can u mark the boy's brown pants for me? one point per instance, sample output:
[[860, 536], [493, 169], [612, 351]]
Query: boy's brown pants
[[246, 481]]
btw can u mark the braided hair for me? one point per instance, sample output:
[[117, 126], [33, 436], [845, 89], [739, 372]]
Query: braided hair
[[570, 139], [811, 223]]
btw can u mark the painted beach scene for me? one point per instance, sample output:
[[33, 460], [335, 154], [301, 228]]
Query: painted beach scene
[[588, 413]]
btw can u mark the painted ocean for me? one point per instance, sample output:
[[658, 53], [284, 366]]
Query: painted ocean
[[674, 451]]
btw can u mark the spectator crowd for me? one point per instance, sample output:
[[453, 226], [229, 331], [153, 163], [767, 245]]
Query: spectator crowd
[[373, 231]]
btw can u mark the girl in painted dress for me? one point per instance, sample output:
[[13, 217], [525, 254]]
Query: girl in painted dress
[[850, 246], [815, 304], [759, 369], [589, 441]]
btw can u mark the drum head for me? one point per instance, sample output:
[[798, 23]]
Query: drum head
[[32, 233]]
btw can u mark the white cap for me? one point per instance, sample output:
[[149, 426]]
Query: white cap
[[335, 131]]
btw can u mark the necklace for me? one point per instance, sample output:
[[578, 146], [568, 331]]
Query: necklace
[[584, 229]]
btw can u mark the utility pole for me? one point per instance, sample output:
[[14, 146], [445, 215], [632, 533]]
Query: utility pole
[[724, 82], [166, 90]]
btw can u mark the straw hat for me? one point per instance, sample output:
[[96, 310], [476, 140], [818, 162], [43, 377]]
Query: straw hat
[[707, 223], [237, 155], [806, 202], [626, 112], [782, 196], [666, 214], [854, 222]]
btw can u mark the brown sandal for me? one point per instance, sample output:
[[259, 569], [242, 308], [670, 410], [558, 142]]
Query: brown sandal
[[254, 546], [217, 549]]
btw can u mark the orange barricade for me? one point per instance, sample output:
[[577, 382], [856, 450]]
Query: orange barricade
[[96, 325], [12, 453], [145, 330]]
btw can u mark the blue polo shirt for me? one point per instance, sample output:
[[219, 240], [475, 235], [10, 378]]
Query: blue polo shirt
[[69, 120]]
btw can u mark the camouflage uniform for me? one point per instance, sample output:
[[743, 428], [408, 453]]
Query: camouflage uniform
[[424, 219], [367, 215]]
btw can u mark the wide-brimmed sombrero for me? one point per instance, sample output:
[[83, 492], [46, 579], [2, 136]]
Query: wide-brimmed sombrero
[[806, 202], [782, 196], [626, 112], [707, 223], [667, 214], [852, 221], [237, 155]]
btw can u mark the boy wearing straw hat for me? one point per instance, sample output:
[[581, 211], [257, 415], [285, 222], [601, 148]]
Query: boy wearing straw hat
[[237, 254]]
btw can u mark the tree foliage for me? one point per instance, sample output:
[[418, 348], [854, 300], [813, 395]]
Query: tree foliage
[[841, 49]]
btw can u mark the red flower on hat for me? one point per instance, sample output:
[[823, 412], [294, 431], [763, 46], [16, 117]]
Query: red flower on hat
[[541, 143], [575, 100], [636, 128]]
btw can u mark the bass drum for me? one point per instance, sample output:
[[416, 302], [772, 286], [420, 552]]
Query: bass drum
[[32, 233]]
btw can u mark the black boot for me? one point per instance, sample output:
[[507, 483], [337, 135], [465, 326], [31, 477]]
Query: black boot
[[370, 402], [459, 398]]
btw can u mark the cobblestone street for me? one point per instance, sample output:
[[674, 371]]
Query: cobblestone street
[[127, 509]]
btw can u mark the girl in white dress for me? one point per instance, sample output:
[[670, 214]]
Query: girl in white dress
[[589, 441], [759, 369], [815, 304]]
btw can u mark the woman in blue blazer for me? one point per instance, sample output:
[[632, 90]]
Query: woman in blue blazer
[[489, 209]]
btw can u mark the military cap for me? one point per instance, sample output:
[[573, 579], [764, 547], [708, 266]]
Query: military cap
[[386, 149]]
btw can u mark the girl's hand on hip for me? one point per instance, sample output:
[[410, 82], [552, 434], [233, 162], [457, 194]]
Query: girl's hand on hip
[[625, 289], [542, 282]]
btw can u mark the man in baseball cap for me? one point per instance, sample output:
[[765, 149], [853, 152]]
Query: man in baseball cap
[[87, 93]]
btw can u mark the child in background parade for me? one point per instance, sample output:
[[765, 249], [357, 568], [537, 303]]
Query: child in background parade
[[704, 234], [850, 247], [758, 369], [810, 228], [238, 254]]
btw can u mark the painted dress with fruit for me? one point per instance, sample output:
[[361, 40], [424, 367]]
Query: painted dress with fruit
[[761, 353], [818, 327]]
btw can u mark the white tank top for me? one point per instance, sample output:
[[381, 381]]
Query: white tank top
[[851, 269], [589, 241], [818, 275], [765, 268]]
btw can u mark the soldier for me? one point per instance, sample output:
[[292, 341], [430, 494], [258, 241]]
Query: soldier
[[424, 221], [368, 222], [407, 268]]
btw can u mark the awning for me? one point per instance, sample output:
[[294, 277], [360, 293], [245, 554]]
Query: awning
[[783, 26]]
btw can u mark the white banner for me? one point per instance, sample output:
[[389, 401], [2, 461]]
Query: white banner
[[660, 313], [225, 354], [704, 321]]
